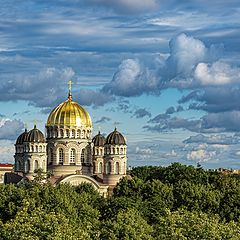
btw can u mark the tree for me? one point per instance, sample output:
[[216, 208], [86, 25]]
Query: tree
[[194, 225], [127, 225]]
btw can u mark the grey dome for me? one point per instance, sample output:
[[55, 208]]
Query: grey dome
[[22, 137], [115, 138], [98, 140], [35, 135]]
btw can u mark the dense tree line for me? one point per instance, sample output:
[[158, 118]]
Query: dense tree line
[[175, 202]]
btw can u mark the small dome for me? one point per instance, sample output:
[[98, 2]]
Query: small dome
[[99, 140], [115, 138], [35, 135], [22, 137], [69, 113]]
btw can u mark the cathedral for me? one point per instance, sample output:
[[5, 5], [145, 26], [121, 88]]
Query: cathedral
[[69, 152]]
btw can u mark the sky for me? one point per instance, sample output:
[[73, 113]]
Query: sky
[[166, 73]]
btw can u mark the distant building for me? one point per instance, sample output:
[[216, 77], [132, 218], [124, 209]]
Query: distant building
[[70, 152], [5, 168], [228, 171]]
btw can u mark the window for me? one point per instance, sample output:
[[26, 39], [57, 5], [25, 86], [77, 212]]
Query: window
[[72, 156], [35, 165], [78, 133], [51, 156], [67, 133], [40, 148], [108, 168], [83, 133], [83, 156], [73, 133], [117, 168], [60, 156], [100, 167], [27, 166], [36, 148], [61, 133]]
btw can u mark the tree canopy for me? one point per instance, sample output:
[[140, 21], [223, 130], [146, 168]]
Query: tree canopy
[[175, 202]]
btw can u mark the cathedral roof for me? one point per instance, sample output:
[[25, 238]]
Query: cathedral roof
[[115, 138], [35, 135], [99, 140], [69, 113], [22, 137]]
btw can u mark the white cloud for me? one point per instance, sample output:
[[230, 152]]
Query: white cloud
[[219, 73], [185, 53], [200, 155], [131, 79]]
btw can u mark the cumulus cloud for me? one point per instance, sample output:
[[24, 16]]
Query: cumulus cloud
[[185, 53], [10, 129], [219, 73], [131, 79], [201, 155], [183, 68]]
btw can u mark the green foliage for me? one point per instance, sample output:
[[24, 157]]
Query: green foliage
[[175, 202], [127, 225], [194, 225]]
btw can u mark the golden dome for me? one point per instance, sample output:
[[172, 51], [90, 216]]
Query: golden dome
[[69, 113]]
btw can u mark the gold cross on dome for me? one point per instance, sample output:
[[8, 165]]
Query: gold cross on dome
[[35, 123], [70, 86]]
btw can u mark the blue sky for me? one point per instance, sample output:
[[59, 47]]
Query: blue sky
[[165, 72]]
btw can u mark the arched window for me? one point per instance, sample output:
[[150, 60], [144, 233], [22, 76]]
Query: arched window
[[73, 133], [67, 133], [78, 133], [100, 167], [35, 165], [72, 156], [27, 166], [83, 156], [108, 168], [36, 148], [40, 148], [60, 156], [83, 133], [32, 149], [117, 168], [61, 133], [56, 133], [51, 156], [117, 151], [121, 151]]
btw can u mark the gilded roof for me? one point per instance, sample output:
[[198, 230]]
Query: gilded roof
[[69, 113]]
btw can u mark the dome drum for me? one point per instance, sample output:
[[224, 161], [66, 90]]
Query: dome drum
[[68, 132]]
